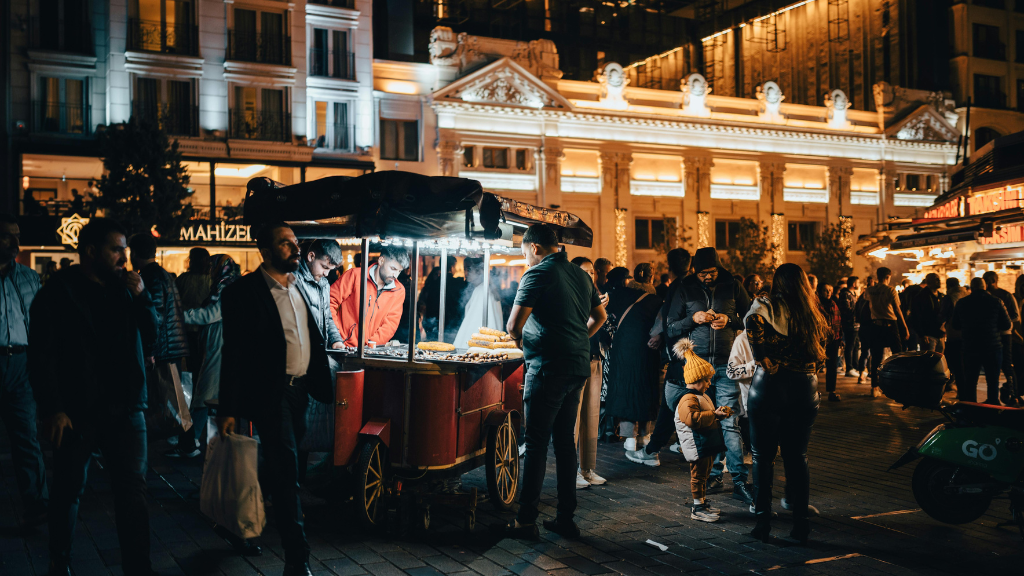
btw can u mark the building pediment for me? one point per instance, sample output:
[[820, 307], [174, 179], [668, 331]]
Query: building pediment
[[504, 83], [923, 124]]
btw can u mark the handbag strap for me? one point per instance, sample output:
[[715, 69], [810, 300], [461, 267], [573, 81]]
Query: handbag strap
[[623, 317]]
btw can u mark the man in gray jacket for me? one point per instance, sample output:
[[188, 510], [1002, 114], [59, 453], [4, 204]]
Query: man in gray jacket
[[318, 259]]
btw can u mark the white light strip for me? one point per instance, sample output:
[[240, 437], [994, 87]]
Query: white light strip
[[915, 200], [662, 55], [864, 198], [809, 195], [581, 184], [735, 192], [655, 188], [756, 20], [503, 180]]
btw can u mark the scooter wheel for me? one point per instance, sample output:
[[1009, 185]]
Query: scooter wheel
[[931, 485]]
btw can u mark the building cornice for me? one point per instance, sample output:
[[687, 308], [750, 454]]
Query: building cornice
[[325, 15], [169, 65], [257, 73]]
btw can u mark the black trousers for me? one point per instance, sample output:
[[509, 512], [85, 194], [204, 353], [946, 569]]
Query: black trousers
[[883, 336], [121, 439], [954, 354], [280, 433], [831, 365], [782, 408], [991, 359], [850, 341], [1008, 370]]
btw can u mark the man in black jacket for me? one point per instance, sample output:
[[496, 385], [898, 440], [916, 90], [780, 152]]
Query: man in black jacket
[[709, 310], [982, 318], [171, 344], [89, 326], [273, 356], [847, 300], [926, 314], [1009, 391]]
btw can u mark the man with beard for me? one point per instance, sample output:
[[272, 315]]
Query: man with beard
[[384, 298], [273, 356], [89, 326]]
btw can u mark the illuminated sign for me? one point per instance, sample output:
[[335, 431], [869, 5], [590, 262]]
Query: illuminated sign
[[952, 209], [1003, 198], [1005, 235], [220, 232], [69, 229]]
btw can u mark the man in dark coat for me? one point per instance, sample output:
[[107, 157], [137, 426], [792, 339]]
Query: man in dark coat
[[982, 318], [273, 357], [1009, 391], [89, 326], [926, 314], [847, 301]]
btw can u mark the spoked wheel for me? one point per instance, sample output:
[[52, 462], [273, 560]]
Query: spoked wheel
[[936, 492], [502, 465], [370, 480]]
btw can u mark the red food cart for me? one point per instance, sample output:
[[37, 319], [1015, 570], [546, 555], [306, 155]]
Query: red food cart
[[407, 419]]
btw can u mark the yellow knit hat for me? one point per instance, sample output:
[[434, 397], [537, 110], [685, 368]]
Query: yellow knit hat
[[696, 368]]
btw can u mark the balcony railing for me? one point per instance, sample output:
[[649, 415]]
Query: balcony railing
[[332, 63], [55, 118], [156, 36], [989, 100], [260, 125], [351, 4], [262, 48], [340, 138], [991, 51], [175, 121]]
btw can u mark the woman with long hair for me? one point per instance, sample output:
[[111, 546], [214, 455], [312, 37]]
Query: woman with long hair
[[788, 335]]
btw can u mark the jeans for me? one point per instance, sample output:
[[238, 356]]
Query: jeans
[[831, 365], [550, 403], [665, 426], [121, 439], [18, 411], [974, 359], [727, 393], [588, 418], [883, 336], [280, 435], [850, 341], [782, 409]]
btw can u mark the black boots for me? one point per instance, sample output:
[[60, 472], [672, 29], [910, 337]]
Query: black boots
[[801, 530], [763, 527]]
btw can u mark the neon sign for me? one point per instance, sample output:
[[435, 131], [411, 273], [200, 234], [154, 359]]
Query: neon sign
[[219, 232], [952, 209], [1004, 198]]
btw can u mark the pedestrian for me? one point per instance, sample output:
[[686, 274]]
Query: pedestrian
[[17, 406], [479, 308], [1008, 394], [865, 330], [65, 263], [556, 312], [954, 338], [615, 278], [674, 308], [430, 304], [814, 282], [910, 292], [661, 290], [1018, 335], [889, 329], [633, 390], [787, 335], [89, 327], [698, 428], [752, 284], [589, 414], [643, 278], [847, 302], [830, 311], [194, 288], [926, 315], [982, 318], [384, 298], [321, 256], [602, 266], [273, 359]]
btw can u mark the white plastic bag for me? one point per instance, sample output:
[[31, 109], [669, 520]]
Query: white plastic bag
[[230, 494]]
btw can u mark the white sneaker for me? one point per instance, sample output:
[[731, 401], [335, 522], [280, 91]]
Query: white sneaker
[[675, 448], [811, 510], [581, 482], [593, 478], [701, 513], [642, 457], [522, 450], [852, 374], [631, 443]]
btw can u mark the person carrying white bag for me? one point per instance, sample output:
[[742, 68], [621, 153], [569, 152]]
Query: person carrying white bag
[[230, 494]]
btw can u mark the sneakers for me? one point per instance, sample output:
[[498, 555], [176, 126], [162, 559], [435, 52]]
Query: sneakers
[[715, 483], [852, 374], [811, 510], [517, 531], [642, 457], [860, 379], [702, 513], [676, 448], [592, 477], [564, 529], [631, 443], [711, 508], [876, 392], [743, 493], [522, 449], [834, 397], [754, 511], [581, 482]]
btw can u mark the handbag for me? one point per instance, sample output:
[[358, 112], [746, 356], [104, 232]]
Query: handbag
[[230, 492], [168, 413]]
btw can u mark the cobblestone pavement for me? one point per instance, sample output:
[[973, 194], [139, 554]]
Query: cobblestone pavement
[[869, 522]]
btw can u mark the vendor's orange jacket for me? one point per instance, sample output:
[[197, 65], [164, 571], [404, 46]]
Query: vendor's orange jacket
[[383, 307]]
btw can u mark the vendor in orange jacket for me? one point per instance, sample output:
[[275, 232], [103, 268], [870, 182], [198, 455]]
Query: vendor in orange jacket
[[384, 298]]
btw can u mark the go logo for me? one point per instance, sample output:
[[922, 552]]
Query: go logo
[[986, 452]]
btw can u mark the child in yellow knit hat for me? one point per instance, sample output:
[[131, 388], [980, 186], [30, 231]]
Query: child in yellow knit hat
[[700, 435]]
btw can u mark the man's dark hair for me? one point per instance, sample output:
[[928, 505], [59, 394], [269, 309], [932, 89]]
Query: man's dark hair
[[473, 264], [952, 282], [852, 281], [143, 246], [679, 261], [357, 260], [605, 262], [8, 218], [977, 284], [990, 278], [64, 262], [265, 236], [541, 235], [883, 273], [397, 254], [325, 247], [664, 278], [581, 260], [96, 232], [199, 260], [643, 273]]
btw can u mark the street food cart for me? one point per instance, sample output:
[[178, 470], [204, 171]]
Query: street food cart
[[411, 415]]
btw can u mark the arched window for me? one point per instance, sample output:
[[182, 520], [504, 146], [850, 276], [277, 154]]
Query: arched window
[[984, 135]]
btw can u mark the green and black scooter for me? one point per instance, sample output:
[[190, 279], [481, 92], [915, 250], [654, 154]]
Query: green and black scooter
[[975, 457]]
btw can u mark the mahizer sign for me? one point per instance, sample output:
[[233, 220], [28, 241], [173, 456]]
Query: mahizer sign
[[220, 232]]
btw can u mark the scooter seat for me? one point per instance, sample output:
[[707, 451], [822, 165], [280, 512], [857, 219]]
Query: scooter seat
[[987, 414]]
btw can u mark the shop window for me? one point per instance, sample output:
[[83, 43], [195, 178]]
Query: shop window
[[650, 232], [61, 106], [399, 140], [63, 25], [332, 129], [802, 235], [987, 43], [727, 234], [468, 159], [495, 158], [988, 91]]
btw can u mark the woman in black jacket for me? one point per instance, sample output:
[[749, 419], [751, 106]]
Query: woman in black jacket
[[787, 334]]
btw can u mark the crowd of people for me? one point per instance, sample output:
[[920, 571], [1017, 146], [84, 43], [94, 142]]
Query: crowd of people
[[705, 363]]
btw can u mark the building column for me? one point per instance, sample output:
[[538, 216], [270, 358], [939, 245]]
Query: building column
[[551, 176], [697, 207], [838, 193], [447, 157], [615, 206], [886, 193], [769, 208]]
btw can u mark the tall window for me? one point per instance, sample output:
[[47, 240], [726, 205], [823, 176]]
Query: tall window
[[1019, 56], [260, 114], [727, 234], [988, 92], [332, 129], [61, 106], [987, 43], [330, 55], [259, 37], [399, 140], [496, 158], [63, 25], [164, 26], [650, 232], [167, 102], [802, 235]]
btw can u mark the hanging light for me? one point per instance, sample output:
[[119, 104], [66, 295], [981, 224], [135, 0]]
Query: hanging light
[[24, 182]]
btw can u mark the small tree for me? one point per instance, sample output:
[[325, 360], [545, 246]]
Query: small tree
[[145, 183], [751, 252], [829, 255]]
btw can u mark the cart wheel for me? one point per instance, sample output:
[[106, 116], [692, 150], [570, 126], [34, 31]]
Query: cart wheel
[[426, 517], [502, 465], [370, 483], [470, 521]]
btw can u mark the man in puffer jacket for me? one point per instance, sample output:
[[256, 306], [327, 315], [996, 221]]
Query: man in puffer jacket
[[709, 309]]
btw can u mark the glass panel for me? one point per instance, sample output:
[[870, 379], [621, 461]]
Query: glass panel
[[643, 235], [320, 131], [74, 25], [657, 232], [340, 55], [149, 10], [472, 307], [179, 108], [388, 139], [147, 98], [49, 24], [342, 139], [319, 53], [467, 155], [244, 41], [271, 40], [521, 159], [73, 99], [50, 114], [721, 235], [411, 144]]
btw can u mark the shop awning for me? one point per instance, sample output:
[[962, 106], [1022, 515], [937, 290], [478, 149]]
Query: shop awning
[[952, 236], [999, 255]]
